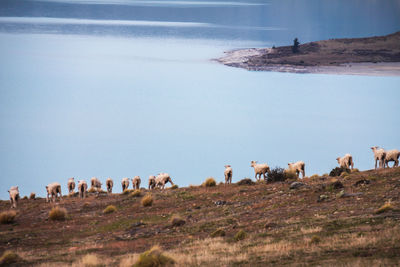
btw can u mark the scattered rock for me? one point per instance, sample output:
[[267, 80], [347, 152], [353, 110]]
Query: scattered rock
[[296, 185], [362, 182], [322, 198], [220, 202]]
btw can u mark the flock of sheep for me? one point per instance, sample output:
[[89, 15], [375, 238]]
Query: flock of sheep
[[54, 189]]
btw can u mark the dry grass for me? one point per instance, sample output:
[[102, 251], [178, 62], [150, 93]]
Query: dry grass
[[386, 207], [240, 235], [32, 196], [314, 176], [92, 190], [109, 209], [58, 214], [147, 200], [127, 191], [154, 257], [290, 175], [7, 216], [8, 258], [210, 182], [90, 260], [311, 230], [218, 233], [174, 186]]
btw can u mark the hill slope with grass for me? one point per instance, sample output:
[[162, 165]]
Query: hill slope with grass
[[349, 220]]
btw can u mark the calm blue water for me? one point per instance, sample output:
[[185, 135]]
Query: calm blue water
[[122, 88]]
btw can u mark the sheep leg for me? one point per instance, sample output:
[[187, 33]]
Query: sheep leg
[[376, 161]]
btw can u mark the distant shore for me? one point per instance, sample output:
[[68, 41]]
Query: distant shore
[[375, 56]]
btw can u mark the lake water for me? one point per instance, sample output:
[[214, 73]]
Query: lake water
[[122, 88]]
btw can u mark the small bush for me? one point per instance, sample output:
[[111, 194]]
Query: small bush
[[7, 216], [58, 214], [240, 235], [136, 193], [290, 175], [147, 200], [338, 171], [276, 174], [177, 220], [210, 182], [355, 170], [25, 197], [295, 47], [127, 191], [325, 174], [218, 233], [110, 209], [315, 239], [174, 186], [8, 258], [344, 174], [314, 176], [246, 181], [386, 207], [32, 196], [154, 257]]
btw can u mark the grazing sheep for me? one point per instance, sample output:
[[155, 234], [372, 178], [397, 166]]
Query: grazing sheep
[[14, 196], [392, 155], [71, 185], [136, 182], [346, 161], [228, 174], [152, 182], [109, 184], [125, 184], [96, 184], [260, 169], [82, 188], [162, 179], [298, 167], [379, 155], [52, 190]]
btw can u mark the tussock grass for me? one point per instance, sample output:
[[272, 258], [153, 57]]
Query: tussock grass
[[92, 190], [177, 220], [154, 257], [218, 233], [355, 170], [109, 209], [90, 260], [314, 176], [315, 239], [240, 235], [127, 191], [8, 258], [174, 186], [386, 207], [7, 216], [210, 182], [58, 214], [147, 200], [136, 193], [290, 175], [32, 196]]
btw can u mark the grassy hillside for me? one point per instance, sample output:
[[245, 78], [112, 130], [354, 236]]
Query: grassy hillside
[[318, 223]]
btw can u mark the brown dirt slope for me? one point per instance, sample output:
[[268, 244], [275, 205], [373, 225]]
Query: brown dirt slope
[[319, 223]]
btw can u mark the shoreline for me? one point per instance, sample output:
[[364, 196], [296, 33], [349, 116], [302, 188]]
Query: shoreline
[[373, 56]]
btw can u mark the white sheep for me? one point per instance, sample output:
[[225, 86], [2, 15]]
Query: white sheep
[[109, 185], [298, 167], [125, 184], [96, 184], [392, 155], [53, 190], [71, 185], [14, 196], [152, 182], [379, 155], [346, 161], [136, 182], [228, 174], [162, 179], [82, 188], [260, 169]]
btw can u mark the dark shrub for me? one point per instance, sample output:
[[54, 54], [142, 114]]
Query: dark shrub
[[338, 171], [246, 181], [295, 47], [276, 174]]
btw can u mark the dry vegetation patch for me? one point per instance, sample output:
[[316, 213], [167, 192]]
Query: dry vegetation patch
[[58, 214], [7, 216]]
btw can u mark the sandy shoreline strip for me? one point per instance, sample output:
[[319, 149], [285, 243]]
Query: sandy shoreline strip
[[238, 58]]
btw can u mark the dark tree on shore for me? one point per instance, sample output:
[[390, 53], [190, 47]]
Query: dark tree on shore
[[295, 47]]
